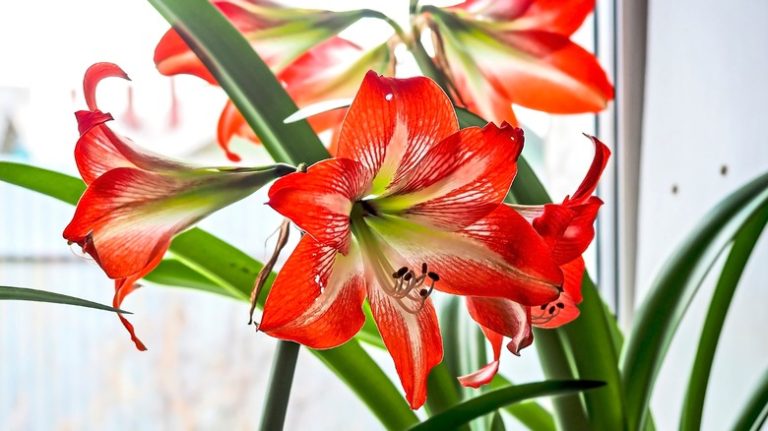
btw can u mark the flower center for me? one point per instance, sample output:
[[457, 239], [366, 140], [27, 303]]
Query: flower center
[[407, 285]]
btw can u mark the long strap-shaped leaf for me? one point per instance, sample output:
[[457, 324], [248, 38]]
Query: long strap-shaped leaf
[[205, 259], [755, 412], [731, 273], [674, 288], [493, 400], [245, 77], [529, 413], [10, 293]]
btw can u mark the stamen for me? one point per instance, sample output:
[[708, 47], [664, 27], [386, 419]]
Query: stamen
[[405, 285]]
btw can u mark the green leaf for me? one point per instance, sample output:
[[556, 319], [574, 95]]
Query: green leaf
[[9, 293], [673, 289], [490, 401], [742, 248], [556, 362], [175, 273], [497, 422], [237, 68], [59, 186], [755, 412], [591, 343], [528, 413], [368, 381]]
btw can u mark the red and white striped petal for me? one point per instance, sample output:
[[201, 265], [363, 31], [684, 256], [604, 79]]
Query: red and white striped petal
[[460, 180], [127, 216], [500, 255], [386, 128], [413, 340], [320, 200], [317, 297]]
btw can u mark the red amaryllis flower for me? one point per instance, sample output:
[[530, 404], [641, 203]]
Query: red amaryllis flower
[[409, 204], [500, 53], [137, 201], [299, 46], [568, 229]]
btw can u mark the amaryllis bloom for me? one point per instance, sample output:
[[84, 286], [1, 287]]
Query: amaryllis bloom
[[568, 229], [500, 53], [137, 201], [300, 47], [410, 204]]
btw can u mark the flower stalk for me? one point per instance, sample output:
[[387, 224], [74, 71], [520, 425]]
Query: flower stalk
[[279, 392]]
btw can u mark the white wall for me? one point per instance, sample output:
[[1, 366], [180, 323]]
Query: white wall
[[706, 108]]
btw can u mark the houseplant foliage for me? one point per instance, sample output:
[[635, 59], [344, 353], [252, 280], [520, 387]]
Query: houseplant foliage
[[403, 206]]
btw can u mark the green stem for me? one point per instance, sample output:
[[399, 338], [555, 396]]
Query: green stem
[[283, 367]]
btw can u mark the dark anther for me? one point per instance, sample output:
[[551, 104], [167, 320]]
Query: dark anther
[[544, 307], [433, 276], [552, 310], [560, 305], [423, 268], [408, 276], [400, 272], [424, 293]]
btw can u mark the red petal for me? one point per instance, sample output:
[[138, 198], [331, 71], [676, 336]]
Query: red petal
[[556, 16], [123, 287], [536, 277], [569, 229], [386, 128], [121, 223], [317, 297], [413, 340], [94, 75], [500, 255], [547, 72], [573, 274], [498, 10], [320, 200], [323, 72], [565, 309], [232, 123], [173, 56], [504, 317], [589, 184], [484, 375], [99, 149], [463, 178]]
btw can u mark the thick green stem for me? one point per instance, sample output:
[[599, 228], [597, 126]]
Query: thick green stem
[[283, 367]]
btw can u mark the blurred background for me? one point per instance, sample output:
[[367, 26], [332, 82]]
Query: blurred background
[[684, 133]]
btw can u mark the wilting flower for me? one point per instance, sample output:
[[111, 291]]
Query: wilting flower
[[137, 201], [568, 229], [408, 205], [300, 47], [499, 53]]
